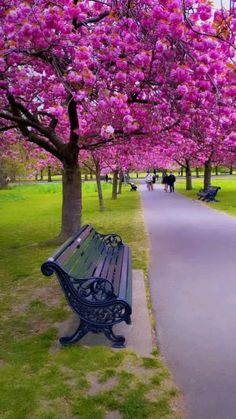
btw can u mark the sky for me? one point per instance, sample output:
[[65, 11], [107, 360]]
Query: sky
[[225, 3]]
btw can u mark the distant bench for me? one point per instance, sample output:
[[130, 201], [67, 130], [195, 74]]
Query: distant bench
[[208, 194], [133, 187], [94, 271]]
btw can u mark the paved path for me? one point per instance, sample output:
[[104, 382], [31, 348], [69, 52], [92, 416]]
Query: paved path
[[193, 288]]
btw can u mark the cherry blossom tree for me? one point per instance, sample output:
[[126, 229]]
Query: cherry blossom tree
[[78, 75]]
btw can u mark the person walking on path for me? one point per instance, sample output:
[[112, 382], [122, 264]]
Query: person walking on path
[[149, 182], [165, 181], [171, 182]]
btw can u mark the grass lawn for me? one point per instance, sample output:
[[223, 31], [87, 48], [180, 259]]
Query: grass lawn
[[226, 196], [38, 380]]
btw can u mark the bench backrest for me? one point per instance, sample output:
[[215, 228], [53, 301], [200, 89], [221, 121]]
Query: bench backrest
[[89, 255]]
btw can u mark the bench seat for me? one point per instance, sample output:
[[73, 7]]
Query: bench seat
[[94, 271]]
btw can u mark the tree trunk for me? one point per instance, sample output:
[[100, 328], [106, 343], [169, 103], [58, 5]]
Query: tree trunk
[[41, 174], [137, 175], [197, 172], [3, 180], [114, 185], [188, 177], [36, 177], [72, 202], [86, 176], [216, 170], [121, 176], [91, 176], [49, 174], [181, 171], [231, 170], [99, 187], [207, 174]]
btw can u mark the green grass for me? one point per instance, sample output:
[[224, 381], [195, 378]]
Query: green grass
[[37, 379], [226, 196]]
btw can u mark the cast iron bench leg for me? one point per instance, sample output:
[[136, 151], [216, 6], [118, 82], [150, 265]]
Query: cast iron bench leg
[[118, 340], [81, 331]]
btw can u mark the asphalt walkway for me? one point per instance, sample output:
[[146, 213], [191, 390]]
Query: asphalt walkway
[[193, 289]]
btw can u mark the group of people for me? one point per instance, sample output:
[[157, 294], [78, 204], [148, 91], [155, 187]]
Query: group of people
[[167, 180]]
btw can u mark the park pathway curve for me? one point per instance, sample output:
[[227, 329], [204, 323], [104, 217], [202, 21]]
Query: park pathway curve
[[193, 289]]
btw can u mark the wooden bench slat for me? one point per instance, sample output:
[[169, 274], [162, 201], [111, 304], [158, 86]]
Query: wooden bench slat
[[73, 248], [68, 242], [80, 256], [114, 265], [124, 272], [117, 272], [107, 263]]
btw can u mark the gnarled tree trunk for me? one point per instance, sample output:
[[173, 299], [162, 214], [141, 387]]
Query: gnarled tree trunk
[[72, 201], [207, 174]]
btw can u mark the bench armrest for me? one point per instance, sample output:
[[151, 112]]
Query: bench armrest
[[86, 289], [96, 290]]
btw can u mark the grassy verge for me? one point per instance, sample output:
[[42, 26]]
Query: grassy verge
[[226, 196], [37, 379]]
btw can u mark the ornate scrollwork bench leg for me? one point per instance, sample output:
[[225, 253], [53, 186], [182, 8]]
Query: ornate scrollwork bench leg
[[80, 332], [118, 340], [84, 327]]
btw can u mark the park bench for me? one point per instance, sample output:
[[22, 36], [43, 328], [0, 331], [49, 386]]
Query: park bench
[[208, 194], [133, 187], [94, 271]]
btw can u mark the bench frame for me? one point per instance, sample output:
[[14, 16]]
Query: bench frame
[[93, 299]]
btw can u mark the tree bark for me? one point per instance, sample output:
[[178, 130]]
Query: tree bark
[[120, 182], [3, 180], [188, 177], [114, 184], [49, 174], [72, 201], [99, 187], [207, 174], [181, 171]]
